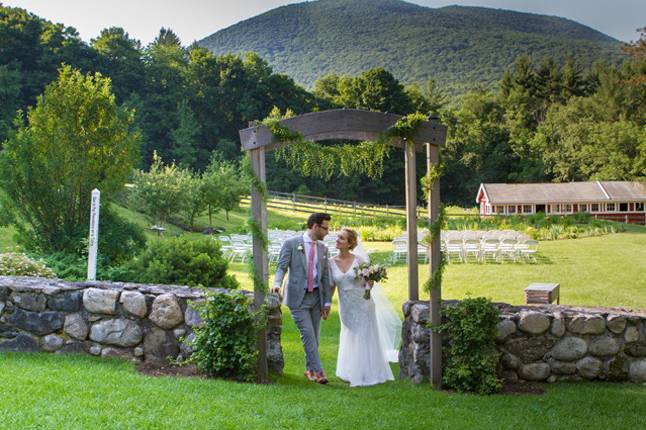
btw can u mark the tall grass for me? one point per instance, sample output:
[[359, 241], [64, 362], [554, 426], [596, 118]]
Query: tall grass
[[541, 227]]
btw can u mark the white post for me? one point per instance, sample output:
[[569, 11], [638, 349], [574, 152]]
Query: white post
[[93, 244]]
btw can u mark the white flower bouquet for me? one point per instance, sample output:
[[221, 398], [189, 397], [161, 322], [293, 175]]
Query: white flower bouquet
[[370, 272]]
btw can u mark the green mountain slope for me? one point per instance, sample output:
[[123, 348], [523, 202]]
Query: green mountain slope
[[457, 46]]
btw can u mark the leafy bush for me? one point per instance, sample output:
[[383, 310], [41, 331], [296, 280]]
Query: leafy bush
[[225, 345], [471, 357], [70, 267], [179, 261], [540, 226], [380, 234], [14, 264], [119, 239]]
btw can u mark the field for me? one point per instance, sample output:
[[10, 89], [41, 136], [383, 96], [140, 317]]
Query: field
[[49, 391]]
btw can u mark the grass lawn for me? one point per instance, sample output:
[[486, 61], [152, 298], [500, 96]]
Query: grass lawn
[[50, 391], [595, 271], [74, 392], [7, 243]]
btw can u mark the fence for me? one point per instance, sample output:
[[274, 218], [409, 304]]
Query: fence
[[307, 203]]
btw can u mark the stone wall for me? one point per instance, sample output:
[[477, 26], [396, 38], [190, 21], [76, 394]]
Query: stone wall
[[546, 343], [132, 321]]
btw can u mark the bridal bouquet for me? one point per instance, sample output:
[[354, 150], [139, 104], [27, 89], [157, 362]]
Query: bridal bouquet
[[370, 272]]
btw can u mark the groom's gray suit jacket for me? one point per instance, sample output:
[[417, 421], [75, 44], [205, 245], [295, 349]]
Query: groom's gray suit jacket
[[292, 257]]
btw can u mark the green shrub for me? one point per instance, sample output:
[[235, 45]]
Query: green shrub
[[471, 357], [119, 239], [14, 264], [225, 345], [70, 267], [541, 227], [380, 234], [178, 261]]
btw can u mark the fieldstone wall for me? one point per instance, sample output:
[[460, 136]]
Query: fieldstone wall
[[131, 321], [545, 343]]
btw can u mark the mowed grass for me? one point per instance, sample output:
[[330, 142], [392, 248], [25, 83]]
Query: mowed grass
[[79, 392], [50, 391], [596, 271]]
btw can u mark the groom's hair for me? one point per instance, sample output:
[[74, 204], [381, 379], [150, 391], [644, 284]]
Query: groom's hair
[[317, 219]]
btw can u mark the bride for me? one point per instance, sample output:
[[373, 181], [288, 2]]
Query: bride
[[370, 329]]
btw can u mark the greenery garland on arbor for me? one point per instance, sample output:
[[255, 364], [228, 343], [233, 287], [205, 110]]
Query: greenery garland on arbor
[[259, 283], [314, 159], [435, 227]]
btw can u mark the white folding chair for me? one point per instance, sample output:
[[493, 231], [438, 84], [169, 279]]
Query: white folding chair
[[454, 250], [400, 249], [471, 248], [489, 250], [507, 250], [528, 250]]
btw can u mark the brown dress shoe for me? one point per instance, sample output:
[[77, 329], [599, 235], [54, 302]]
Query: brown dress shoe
[[320, 378]]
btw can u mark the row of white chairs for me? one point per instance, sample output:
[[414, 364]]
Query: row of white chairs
[[490, 250], [473, 250], [239, 247]]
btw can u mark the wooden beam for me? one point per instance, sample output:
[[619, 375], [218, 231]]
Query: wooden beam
[[411, 222], [350, 124], [259, 214], [435, 255]]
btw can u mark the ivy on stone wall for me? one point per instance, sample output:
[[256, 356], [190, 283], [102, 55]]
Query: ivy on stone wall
[[471, 357]]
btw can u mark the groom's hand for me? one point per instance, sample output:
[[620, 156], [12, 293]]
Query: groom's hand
[[275, 289]]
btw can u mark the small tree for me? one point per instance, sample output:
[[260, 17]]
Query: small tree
[[76, 139], [195, 202], [161, 191], [224, 186]]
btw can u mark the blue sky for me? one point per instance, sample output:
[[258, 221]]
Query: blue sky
[[195, 19]]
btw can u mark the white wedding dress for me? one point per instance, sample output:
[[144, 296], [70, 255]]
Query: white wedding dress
[[370, 330]]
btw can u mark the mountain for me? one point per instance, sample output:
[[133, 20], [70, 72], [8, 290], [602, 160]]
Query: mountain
[[458, 46]]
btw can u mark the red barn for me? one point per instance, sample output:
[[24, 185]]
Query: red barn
[[612, 200]]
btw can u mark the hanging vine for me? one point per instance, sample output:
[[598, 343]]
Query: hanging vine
[[314, 159]]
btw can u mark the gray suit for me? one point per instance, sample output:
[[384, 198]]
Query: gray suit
[[305, 307]]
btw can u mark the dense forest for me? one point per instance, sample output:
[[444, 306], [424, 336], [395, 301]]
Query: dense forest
[[544, 121], [456, 46]]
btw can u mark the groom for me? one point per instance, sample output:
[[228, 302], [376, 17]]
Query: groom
[[307, 294]]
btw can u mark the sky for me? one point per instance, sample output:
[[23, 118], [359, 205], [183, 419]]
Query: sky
[[195, 19]]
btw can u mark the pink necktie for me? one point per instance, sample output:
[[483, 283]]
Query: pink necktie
[[310, 269]]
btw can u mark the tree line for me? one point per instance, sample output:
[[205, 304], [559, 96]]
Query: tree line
[[545, 122]]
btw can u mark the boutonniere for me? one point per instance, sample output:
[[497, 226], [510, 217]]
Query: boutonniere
[[300, 248]]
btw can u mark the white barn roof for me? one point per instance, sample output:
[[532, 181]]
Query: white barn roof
[[568, 192]]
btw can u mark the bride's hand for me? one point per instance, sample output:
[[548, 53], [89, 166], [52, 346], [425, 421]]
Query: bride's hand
[[371, 283]]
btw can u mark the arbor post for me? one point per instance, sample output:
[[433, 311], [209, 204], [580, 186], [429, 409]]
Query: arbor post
[[411, 220], [434, 257], [259, 214]]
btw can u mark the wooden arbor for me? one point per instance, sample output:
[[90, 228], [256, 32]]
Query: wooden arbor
[[355, 125]]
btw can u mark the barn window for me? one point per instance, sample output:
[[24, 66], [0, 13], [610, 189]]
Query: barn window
[[623, 207], [610, 207], [639, 206], [594, 207]]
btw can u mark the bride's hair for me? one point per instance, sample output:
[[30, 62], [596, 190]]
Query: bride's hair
[[351, 236]]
